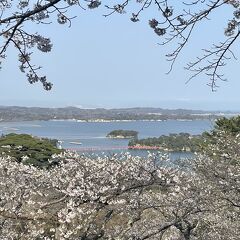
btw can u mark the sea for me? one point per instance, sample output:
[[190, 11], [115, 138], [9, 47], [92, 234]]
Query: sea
[[90, 137]]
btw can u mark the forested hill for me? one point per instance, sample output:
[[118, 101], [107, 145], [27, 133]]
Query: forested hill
[[15, 113]]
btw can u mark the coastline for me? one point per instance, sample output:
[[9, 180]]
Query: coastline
[[107, 121], [126, 120], [145, 147]]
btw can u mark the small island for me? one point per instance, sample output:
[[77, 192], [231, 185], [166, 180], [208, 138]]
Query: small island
[[129, 134], [182, 142]]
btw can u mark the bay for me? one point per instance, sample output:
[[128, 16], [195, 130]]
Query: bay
[[90, 137]]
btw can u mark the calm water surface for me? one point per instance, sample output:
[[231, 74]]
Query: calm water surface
[[92, 135]]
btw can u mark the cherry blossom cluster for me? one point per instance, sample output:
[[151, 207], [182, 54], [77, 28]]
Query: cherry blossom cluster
[[124, 196]]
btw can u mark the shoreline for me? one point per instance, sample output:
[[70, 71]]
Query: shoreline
[[108, 121], [139, 120], [145, 147]]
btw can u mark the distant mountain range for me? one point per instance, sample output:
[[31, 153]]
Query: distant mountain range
[[15, 113]]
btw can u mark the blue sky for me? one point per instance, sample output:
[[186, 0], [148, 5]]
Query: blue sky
[[112, 62]]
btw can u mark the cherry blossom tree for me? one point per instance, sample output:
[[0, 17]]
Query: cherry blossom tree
[[124, 197], [174, 25]]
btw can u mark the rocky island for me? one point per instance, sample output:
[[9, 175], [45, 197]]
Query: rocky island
[[123, 134]]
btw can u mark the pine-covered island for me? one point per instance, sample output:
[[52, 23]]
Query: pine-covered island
[[123, 134], [182, 142]]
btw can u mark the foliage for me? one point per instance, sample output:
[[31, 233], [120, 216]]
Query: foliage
[[124, 197], [173, 142], [29, 150], [230, 125], [175, 24], [123, 133]]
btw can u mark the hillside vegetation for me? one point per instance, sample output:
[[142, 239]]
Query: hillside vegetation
[[28, 149], [37, 113], [173, 142]]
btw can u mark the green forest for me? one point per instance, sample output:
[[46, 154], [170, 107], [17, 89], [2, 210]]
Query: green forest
[[29, 150]]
